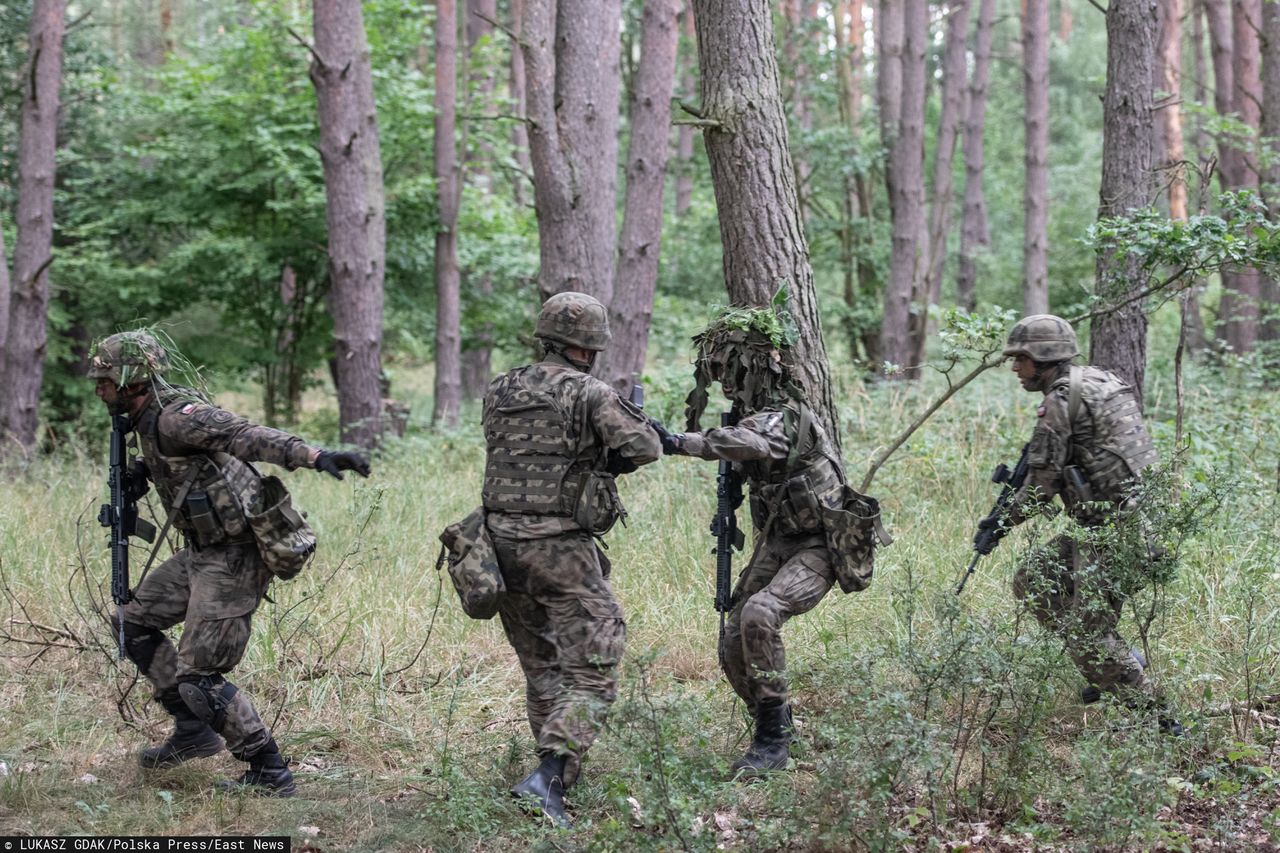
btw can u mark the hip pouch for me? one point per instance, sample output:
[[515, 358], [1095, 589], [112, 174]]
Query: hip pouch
[[853, 528], [599, 507], [285, 540], [473, 565]]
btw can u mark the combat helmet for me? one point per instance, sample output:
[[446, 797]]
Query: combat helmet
[[574, 319], [1043, 338], [128, 358], [748, 351]]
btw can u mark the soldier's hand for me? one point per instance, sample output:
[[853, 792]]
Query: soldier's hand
[[334, 462], [616, 463], [670, 440], [136, 485], [987, 537]]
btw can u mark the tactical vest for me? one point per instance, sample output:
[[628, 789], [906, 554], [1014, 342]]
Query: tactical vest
[[221, 488], [1120, 446], [533, 463], [787, 500]]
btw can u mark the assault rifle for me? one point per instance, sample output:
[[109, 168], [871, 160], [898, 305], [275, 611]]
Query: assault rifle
[[121, 515], [725, 528], [991, 529]]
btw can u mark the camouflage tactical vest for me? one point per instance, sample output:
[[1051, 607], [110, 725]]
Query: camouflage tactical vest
[[787, 500], [533, 463], [221, 489], [1114, 445]]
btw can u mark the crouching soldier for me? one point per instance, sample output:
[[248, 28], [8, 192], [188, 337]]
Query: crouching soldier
[[812, 530], [198, 456]]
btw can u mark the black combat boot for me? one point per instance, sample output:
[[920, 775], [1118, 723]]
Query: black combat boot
[[268, 774], [544, 789], [769, 750], [191, 737]]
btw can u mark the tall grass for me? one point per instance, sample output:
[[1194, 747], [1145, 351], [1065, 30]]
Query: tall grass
[[923, 719]]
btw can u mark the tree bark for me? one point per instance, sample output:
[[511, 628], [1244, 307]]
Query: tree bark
[[641, 238], [1269, 292], [571, 52], [904, 177], [27, 337], [974, 234], [354, 215], [1240, 306], [520, 105], [684, 136], [1169, 116], [477, 355], [953, 82], [448, 355], [754, 180], [795, 14], [1035, 194], [1119, 339]]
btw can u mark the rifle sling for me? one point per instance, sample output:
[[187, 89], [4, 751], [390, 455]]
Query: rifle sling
[[168, 522]]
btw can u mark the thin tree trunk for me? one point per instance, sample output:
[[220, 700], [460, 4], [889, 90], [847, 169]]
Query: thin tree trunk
[[1065, 20], [349, 152], [953, 84], [641, 239], [1270, 293], [166, 26], [27, 336], [519, 103], [448, 384], [1119, 339], [1242, 321], [1197, 337], [794, 14], [905, 179], [684, 136], [571, 52], [1035, 194], [751, 170], [1169, 116], [974, 235], [476, 357], [4, 313]]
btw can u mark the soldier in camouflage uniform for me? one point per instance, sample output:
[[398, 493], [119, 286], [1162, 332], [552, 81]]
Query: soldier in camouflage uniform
[[198, 456], [1089, 447], [786, 458], [555, 437]]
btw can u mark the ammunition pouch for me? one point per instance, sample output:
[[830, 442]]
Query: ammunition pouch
[[853, 528], [473, 565], [285, 540], [598, 507]]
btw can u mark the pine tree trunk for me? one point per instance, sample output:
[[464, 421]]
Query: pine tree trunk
[[571, 53], [519, 105], [795, 16], [27, 338], [684, 136], [641, 239], [477, 355], [448, 355], [1119, 339], [1035, 195], [974, 234], [4, 313], [904, 177], [1270, 292], [349, 152], [754, 180], [953, 81], [1169, 116]]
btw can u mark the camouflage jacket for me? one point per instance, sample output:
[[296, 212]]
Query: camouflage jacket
[[602, 421], [1110, 446], [787, 461], [182, 440]]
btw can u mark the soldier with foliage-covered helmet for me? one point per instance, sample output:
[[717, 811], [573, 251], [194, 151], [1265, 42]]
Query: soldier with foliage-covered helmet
[[812, 529], [199, 458], [1089, 448], [555, 439]]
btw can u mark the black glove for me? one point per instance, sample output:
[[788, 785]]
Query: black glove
[[988, 536], [615, 463], [135, 484], [671, 441], [336, 461]]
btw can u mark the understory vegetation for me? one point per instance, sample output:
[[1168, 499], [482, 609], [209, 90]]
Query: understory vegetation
[[925, 720]]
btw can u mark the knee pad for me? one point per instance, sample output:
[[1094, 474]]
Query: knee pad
[[208, 697], [140, 644]]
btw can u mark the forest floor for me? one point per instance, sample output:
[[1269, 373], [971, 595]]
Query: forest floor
[[924, 720]]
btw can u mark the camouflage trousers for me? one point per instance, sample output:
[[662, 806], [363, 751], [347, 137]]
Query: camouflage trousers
[[567, 629], [787, 576], [1068, 587], [214, 592]]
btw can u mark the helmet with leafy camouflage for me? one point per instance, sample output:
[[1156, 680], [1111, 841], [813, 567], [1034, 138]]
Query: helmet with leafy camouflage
[[1044, 338], [574, 319], [746, 350], [128, 358]]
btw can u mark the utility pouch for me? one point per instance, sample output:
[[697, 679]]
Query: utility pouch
[[599, 507], [204, 521], [285, 540], [473, 565], [805, 511], [853, 528]]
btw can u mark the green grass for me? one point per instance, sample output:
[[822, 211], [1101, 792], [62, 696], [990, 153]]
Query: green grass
[[923, 720]]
